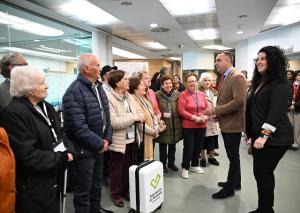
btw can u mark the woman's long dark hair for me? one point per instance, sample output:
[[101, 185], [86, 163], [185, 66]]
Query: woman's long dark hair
[[277, 64]]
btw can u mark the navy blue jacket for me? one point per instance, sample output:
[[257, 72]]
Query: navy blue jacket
[[82, 116]]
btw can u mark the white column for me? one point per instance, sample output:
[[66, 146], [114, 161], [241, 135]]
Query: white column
[[102, 47]]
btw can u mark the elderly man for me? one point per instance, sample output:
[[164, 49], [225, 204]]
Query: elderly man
[[87, 124], [230, 111], [7, 63]]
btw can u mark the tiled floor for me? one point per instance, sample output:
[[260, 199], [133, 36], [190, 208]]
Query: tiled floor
[[193, 195]]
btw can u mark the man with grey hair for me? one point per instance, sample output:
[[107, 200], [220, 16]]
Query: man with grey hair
[[7, 63], [87, 124]]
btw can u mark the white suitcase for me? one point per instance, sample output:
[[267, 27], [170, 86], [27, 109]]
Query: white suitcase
[[146, 186]]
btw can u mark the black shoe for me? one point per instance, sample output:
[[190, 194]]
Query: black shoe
[[222, 194], [203, 163], [213, 161], [165, 168], [216, 154], [222, 184], [102, 210], [293, 148], [173, 167]]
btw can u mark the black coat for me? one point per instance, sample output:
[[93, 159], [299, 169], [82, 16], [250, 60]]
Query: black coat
[[37, 165], [270, 105]]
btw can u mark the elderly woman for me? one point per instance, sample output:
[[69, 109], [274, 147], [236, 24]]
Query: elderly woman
[[137, 88], [191, 106], [167, 101], [267, 123], [124, 112], [210, 142], [150, 95], [36, 140]]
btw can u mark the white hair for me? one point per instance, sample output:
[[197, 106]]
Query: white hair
[[203, 76], [84, 60], [23, 79]]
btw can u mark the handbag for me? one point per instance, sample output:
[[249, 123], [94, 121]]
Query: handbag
[[161, 126]]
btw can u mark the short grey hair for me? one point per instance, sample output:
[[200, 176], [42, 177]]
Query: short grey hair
[[23, 79], [84, 60], [203, 76], [8, 59]]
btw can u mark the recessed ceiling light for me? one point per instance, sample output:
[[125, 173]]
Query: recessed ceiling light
[[175, 58], [155, 45], [126, 3], [153, 25], [189, 7], [126, 54], [204, 34], [239, 32], [91, 14], [216, 47], [36, 40]]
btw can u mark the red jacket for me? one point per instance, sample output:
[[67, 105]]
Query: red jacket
[[190, 104]]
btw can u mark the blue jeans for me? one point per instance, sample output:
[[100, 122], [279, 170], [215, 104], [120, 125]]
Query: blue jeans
[[87, 180]]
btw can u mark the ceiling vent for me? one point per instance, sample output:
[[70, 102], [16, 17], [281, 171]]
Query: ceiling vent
[[159, 29]]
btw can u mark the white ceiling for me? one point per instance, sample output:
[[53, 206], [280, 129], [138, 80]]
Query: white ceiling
[[134, 28]]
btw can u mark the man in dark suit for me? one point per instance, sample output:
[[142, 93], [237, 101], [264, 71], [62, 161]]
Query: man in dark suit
[[230, 111]]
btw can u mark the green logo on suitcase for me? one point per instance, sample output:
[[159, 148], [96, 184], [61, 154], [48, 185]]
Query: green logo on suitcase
[[155, 181]]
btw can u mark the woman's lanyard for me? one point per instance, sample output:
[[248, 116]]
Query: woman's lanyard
[[126, 104], [195, 99], [45, 116]]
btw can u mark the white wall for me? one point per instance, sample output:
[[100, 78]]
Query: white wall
[[246, 51], [198, 60]]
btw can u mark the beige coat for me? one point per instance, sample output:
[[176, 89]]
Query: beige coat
[[231, 103], [150, 125], [212, 125], [121, 119]]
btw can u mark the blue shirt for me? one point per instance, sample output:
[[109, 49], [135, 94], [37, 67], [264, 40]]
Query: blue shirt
[[227, 73]]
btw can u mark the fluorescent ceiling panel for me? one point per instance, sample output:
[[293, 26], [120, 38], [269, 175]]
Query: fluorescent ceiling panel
[[284, 13], [25, 25], [126, 54], [216, 47], [204, 34], [155, 45], [40, 54], [175, 58], [85, 11], [189, 7]]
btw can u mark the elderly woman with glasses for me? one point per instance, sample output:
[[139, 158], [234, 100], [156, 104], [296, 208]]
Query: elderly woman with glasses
[[36, 140], [191, 106]]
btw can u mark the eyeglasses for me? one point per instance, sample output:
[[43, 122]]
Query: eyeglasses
[[16, 65], [190, 82]]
